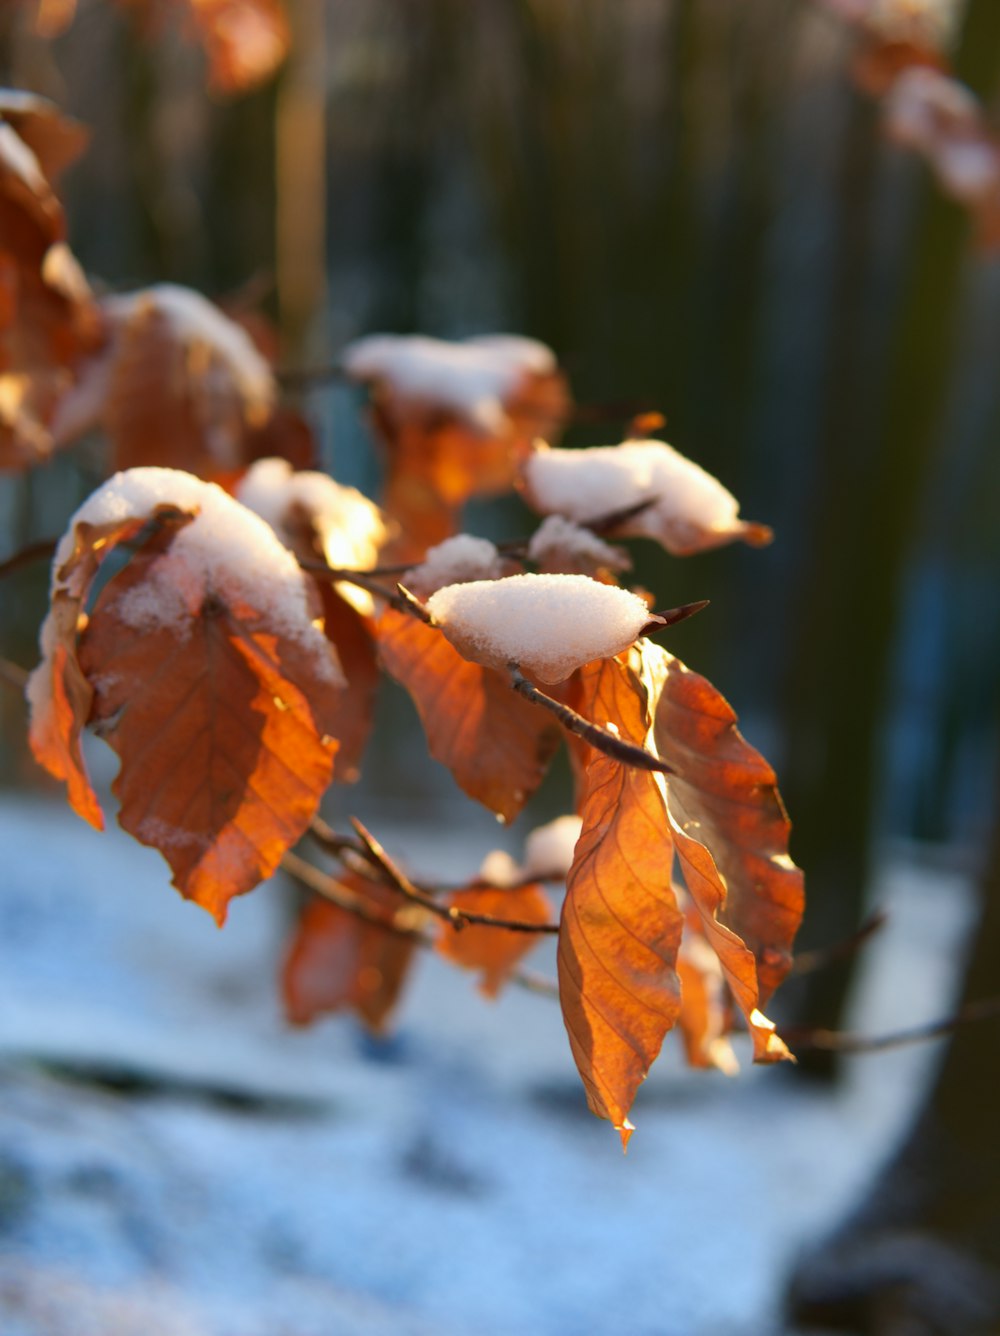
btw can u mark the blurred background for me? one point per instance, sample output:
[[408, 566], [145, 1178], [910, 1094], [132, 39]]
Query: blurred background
[[693, 202]]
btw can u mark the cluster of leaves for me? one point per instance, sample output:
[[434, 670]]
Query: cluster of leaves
[[902, 62], [227, 642], [245, 41]]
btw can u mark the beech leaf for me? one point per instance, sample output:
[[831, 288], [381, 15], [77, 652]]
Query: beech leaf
[[211, 679], [495, 744], [496, 952], [337, 960]]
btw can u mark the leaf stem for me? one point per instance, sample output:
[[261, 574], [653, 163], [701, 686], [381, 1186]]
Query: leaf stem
[[33, 552], [628, 753]]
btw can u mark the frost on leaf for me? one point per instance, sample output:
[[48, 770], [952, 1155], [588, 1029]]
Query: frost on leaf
[[688, 510], [179, 384], [621, 924], [455, 419], [210, 677], [338, 960], [494, 952], [496, 745], [547, 624]]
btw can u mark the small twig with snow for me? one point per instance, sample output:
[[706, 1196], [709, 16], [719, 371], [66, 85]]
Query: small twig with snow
[[601, 739]]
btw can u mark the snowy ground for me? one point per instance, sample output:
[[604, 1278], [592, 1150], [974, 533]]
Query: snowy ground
[[253, 1181]]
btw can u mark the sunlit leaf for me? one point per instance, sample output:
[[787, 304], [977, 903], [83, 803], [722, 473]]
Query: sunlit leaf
[[495, 952]]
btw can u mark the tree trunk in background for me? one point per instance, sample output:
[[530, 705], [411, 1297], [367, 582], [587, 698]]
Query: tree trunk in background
[[922, 1257], [852, 586]]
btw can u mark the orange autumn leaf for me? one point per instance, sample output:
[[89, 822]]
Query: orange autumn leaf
[[725, 794], [496, 745], [496, 952], [619, 937], [350, 632], [60, 696], [337, 960], [704, 1019], [54, 138], [214, 683]]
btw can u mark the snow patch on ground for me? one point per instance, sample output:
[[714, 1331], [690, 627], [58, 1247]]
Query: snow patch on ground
[[446, 1182]]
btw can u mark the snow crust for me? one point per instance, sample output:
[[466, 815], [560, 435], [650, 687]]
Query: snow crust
[[351, 527], [472, 379], [455, 561], [226, 550], [560, 545], [585, 485], [549, 624]]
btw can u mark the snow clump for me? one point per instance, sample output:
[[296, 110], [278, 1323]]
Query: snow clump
[[455, 561], [547, 624], [472, 380], [226, 551], [585, 485], [559, 545]]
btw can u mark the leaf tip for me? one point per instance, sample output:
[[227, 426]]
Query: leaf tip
[[625, 1129]]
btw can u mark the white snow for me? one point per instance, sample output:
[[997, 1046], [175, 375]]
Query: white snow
[[549, 624], [351, 527], [446, 1182], [548, 850], [585, 485], [921, 103], [226, 550], [198, 323], [472, 379], [455, 561], [560, 545]]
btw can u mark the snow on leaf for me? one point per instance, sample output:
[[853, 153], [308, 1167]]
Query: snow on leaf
[[211, 679], [180, 384], [457, 560], [548, 624], [689, 511], [456, 420], [337, 960], [496, 952], [496, 745]]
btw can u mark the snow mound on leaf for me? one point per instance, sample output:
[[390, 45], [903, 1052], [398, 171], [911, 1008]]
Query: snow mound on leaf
[[585, 485], [195, 321], [473, 379], [350, 526], [548, 850], [548, 624], [455, 561], [226, 551], [560, 545]]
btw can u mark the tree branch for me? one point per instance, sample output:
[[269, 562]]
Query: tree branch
[[843, 1041], [45, 549], [13, 675], [628, 753], [807, 962]]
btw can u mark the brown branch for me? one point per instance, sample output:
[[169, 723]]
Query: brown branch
[[607, 523], [843, 1041], [45, 549], [457, 918], [806, 962], [628, 753], [13, 675], [322, 884]]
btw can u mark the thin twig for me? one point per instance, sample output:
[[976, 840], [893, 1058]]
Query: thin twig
[[413, 606], [295, 378], [344, 898], [605, 524], [457, 918], [806, 962], [13, 674], [43, 550], [599, 738], [843, 1041]]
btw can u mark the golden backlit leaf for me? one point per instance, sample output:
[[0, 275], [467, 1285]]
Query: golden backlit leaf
[[496, 952], [246, 41], [704, 1020], [496, 745], [619, 937], [351, 633], [339, 961]]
